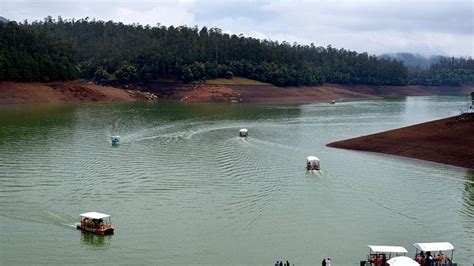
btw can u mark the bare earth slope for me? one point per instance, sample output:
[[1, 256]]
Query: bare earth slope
[[220, 90], [61, 91], [448, 141], [266, 93]]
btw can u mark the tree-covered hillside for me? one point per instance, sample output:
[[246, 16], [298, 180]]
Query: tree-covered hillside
[[30, 55], [135, 52], [113, 51], [447, 71]]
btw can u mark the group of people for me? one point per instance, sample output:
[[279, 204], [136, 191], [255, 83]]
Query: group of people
[[312, 166], [428, 259], [326, 262], [378, 260], [281, 263], [94, 223]]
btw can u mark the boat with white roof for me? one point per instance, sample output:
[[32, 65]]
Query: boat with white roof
[[388, 255], [96, 222], [313, 163], [432, 253]]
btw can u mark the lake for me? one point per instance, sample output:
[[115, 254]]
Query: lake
[[183, 188]]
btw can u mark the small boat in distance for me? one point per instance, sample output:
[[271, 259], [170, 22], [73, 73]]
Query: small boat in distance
[[333, 102], [96, 223], [243, 133], [313, 163], [115, 140]]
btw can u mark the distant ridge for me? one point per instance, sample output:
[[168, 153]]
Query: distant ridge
[[2, 19], [413, 60]]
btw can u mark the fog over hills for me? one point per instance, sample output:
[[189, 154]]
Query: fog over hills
[[414, 60]]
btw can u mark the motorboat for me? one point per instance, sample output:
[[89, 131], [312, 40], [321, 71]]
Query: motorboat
[[313, 163], [115, 140], [432, 253], [243, 133], [96, 223], [388, 255]]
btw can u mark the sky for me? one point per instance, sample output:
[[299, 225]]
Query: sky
[[426, 27]]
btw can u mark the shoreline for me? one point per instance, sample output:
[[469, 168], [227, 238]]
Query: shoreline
[[12, 93], [18, 93], [447, 141]]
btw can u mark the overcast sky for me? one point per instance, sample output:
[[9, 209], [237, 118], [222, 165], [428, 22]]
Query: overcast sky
[[426, 27]]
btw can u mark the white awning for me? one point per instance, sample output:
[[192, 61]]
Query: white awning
[[402, 261], [388, 249], [244, 130], [312, 158], [436, 246], [95, 215]]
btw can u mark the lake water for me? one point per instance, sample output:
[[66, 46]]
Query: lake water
[[182, 188]]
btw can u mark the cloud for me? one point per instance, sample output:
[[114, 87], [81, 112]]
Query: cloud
[[376, 26]]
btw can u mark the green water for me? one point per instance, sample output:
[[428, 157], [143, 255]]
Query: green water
[[182, 188]]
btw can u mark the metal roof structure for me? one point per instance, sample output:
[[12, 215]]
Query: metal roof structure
[[95, 215]]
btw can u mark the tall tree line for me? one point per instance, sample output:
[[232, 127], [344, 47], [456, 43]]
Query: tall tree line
[[30, 55], [109, 50], [447, 72]]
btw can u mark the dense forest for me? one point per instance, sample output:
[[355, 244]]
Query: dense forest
[[447, 71], [105, 51], [28, 55]]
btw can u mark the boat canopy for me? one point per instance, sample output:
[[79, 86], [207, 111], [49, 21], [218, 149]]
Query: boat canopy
[[436, 246], [388, 249], [95, 215], [402, 261], [312, 158], [244, 130], [115, 137]]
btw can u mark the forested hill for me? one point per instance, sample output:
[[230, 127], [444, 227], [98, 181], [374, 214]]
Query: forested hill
[[108, 50], [29, 55]]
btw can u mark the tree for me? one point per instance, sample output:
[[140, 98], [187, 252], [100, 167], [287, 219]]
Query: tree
[[126, 72]]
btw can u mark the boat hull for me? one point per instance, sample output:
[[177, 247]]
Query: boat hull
[[105, 230]]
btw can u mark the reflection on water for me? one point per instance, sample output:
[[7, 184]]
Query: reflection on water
[[426, 108], [95, 240], [183, 187]]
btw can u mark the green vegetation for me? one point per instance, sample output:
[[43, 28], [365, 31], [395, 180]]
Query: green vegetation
[[236, 81], [29, 55], [105, 51], [447, 71]]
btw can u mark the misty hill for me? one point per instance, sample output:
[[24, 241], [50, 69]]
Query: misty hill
[[2, 19], [413, 60]]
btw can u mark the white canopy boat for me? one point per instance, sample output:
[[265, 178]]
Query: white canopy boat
[[425, 253], [96, 222], [313, 163], [382, 254]]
